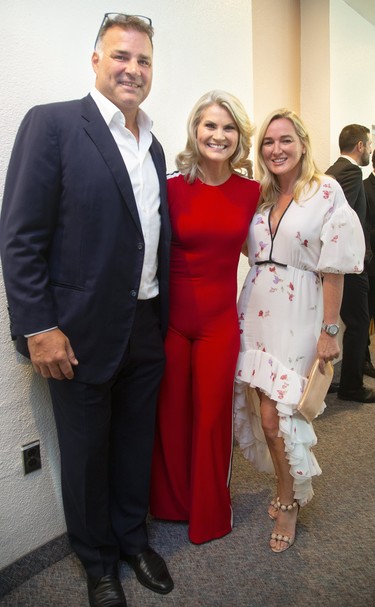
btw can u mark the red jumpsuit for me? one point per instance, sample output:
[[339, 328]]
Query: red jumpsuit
[[193, 442]]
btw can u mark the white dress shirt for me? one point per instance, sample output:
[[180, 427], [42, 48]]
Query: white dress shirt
[[144, 179]]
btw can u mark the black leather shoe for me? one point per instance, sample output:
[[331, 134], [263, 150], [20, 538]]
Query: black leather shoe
[[334, 387], [151, 570], [369, 369], [105, 591], [361, 395]]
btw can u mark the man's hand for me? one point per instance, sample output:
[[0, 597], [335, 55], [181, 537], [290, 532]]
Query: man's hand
[[52, 354]]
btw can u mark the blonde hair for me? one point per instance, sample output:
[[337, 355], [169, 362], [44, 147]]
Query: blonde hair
[[187, 161], [308, 175]]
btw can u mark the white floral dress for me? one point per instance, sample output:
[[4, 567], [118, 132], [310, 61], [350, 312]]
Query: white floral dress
[[280, 315]]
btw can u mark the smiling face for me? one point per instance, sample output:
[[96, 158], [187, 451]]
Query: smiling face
[[217, 136], [282, 149], [123, 68]]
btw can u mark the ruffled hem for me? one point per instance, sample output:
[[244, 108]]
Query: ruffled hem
[[282, 384], [275, 380]]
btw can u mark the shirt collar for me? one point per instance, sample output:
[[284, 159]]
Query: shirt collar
[[110, 111], [350, 159]]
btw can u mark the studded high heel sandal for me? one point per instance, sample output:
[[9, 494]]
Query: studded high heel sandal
[[273, 505], [287, 539]]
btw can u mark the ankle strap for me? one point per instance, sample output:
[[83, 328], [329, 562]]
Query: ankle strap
[[285, 507]]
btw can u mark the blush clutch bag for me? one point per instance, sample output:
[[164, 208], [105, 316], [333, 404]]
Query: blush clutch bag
[[316, 390]]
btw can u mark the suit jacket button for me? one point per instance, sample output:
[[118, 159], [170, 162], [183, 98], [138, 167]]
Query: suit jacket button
[[133, 293], [140, 246]]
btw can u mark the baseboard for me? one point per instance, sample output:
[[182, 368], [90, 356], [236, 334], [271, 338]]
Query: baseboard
[[29, 565]]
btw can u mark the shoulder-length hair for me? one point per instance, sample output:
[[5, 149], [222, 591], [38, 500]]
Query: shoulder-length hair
[[187, 161], [308, 175]]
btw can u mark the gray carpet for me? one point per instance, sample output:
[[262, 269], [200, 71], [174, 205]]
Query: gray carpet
[[331, 563]]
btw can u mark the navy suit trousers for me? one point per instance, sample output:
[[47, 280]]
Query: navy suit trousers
[[106, 434], [355, 314]]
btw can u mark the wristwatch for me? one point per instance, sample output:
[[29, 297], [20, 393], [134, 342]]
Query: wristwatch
[[332, 330]]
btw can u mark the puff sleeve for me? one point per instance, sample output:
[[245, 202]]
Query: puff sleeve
[[343, 243]]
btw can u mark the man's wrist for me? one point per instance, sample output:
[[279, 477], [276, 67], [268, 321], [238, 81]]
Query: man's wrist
[[39, 332]]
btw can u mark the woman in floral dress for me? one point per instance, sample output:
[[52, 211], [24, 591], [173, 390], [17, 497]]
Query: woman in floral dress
[[304, 230]]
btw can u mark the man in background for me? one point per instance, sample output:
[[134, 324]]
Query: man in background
[[85, 248], [355, 150]]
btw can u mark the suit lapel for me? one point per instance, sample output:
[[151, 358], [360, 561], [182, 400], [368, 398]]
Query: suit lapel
[[99, 133], [159, 162]]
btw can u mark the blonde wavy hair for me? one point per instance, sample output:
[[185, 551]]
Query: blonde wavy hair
[[308, 176], [187, 161]]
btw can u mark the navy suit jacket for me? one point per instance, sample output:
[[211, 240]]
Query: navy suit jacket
[[350, 178], [71, 240], [369, 185]]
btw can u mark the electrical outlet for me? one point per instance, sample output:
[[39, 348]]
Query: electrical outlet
[[31, 457]]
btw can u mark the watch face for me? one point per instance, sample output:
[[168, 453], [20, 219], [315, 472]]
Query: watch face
[[332, 329]]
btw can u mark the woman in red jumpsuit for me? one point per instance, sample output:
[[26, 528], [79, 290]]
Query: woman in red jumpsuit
[[212, 202]]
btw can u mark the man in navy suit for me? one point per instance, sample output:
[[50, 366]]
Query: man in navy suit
[[355, 150], [85, 248]]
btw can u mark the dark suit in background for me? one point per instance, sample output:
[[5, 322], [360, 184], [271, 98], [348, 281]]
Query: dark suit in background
[[369, 185], [354, 307]]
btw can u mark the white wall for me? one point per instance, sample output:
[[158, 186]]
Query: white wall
[[352, 72], [46, 47], [337, 87]]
